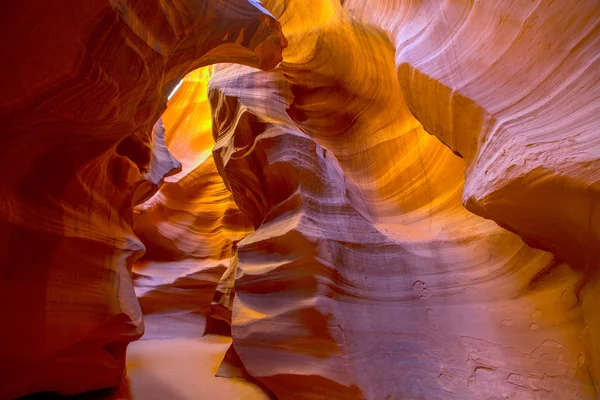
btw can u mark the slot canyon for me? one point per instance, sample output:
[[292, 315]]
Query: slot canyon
[[300, 199]]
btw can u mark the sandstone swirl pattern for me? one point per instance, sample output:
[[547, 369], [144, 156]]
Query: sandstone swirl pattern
[[188, 227], [406, 207], [516, 92], [83, 84], [384, 285], [331, 304]]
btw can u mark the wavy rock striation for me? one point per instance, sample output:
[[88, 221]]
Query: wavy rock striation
[[189, 226], [406, 207], [83, 86], [193, 215], [516, 91], [366, 276], [516, 94]]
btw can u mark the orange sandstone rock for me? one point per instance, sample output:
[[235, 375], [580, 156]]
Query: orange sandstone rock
[[82, 88], [406, 207], [366, 276], [513, 88], [189, 226]]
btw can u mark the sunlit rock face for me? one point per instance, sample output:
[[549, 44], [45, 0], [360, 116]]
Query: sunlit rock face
[[193, 214], [380, 282], [515, 87], [363, 309], [83, 85], [189, 226]]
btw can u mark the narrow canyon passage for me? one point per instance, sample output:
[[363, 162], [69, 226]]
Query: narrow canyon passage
[[292, 199], [189, 228]]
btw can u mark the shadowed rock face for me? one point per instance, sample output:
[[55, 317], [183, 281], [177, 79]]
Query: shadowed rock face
[[83, 84], [405, 207]]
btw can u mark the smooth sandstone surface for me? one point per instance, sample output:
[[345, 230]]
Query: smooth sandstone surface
[[83, 84], [516, 88], [486, 315], [179, 368], [189, 227], [404, 206], [331, 303]]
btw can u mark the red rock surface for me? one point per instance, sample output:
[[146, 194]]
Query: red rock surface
[[405, 207], [516, 88], [83, 83]]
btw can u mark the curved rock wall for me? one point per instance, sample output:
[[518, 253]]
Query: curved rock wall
[[193, 214], [516, 92], [371, 271], [344, 306], [516, 89], [83, 84], [189, 226], [450, 305]]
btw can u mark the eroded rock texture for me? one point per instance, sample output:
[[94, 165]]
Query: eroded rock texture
[[516, 89], [330, 303], [83, 84], [189, 226], [406, 207], [366, 276], [516, 92]]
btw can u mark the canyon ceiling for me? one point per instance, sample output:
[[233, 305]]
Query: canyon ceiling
[[382, 199]]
